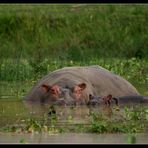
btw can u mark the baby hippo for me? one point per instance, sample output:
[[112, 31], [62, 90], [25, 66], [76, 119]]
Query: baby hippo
[[94, 100], [122, 100], [107, 100]]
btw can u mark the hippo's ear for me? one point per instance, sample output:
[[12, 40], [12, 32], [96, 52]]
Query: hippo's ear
[[82, 86], [52, 89], [79, 88], [45, 87]]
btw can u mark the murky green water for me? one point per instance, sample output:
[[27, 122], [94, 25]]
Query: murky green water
[[14, 112]]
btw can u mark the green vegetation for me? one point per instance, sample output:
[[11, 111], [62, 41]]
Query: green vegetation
[[128, 122], [37, 39], [73, 32]]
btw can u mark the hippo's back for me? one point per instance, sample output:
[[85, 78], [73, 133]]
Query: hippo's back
[[104, 82], [99, 81]]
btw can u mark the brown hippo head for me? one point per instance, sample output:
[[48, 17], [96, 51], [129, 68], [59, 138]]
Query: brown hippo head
[[67, 93]]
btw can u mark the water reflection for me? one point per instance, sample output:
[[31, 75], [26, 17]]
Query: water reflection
[[13, 112], [78, 114]]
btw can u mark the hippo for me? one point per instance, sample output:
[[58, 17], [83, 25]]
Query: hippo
[[122, 100], [73, 85], [107, 100]]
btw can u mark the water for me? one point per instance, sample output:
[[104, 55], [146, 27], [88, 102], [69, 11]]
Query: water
[[74, 138], [14, 112]]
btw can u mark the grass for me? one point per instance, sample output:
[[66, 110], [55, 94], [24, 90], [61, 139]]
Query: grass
[[73, 32]]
